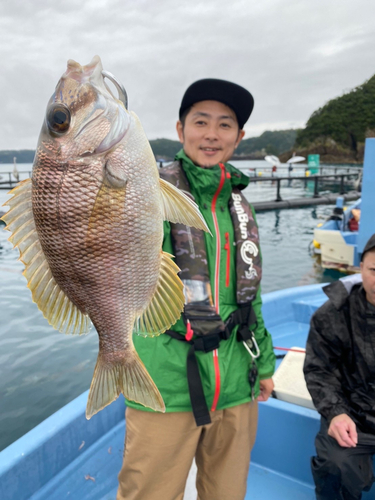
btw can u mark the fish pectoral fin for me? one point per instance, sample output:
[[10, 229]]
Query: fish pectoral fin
[[56, 307], [114, 174], [122, 372], [179, 208], [166, 304]]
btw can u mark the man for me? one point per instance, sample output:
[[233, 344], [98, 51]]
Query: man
[[340, 375], [217, 360]]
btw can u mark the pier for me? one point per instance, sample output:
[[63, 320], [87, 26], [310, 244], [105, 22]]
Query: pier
[[345, 176], [344, 181], [10, 182]]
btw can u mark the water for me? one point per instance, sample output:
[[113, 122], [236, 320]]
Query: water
[[41, 370]]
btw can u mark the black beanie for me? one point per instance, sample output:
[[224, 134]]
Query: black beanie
[[232, 95], [370, 245]]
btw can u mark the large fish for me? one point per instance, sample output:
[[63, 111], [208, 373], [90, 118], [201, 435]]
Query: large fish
[[89, 228]]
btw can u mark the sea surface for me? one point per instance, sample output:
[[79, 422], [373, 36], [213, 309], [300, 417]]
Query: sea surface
[[41, 370]]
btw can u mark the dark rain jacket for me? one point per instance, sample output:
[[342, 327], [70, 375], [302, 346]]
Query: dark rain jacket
[[226, 376], [340, 355]]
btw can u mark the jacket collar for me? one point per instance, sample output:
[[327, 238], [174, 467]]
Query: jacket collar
[[339, 291], [237, 178]]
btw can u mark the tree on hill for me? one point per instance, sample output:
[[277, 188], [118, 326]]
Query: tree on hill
[[22, 156], [346, 120], [273, 143], [165, 148]]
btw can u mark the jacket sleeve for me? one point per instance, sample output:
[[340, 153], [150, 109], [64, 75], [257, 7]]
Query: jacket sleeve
[[266, 360], [321, 368]]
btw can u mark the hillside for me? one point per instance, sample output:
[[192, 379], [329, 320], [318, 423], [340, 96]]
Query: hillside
[[165, 148], [254, 148], [272, 143], [22, 155], [337, 131]]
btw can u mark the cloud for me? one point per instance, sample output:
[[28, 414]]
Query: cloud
[[293, 55]]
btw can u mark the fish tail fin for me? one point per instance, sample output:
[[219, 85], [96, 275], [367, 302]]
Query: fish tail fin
[[115, 373]]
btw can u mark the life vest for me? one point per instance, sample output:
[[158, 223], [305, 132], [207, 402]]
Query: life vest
[[205, 327]]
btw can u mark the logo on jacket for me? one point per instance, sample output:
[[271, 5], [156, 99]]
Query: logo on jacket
[[248, 251], [243, 219]]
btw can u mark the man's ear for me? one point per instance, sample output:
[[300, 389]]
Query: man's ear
[[180, 131], [241, 133]]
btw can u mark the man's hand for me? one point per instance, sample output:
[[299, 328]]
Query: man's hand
[[266, 388], [344, 430]]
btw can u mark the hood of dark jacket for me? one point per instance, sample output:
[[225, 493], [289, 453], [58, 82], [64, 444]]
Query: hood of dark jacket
[[339, 291]]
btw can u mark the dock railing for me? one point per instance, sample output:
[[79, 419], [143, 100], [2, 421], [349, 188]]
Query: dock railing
[[306, 179], [10, 181], [345, 174], [321, 170]]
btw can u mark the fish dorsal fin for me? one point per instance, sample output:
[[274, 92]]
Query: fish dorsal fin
[[56, 307], [179, 208], [166, 304]]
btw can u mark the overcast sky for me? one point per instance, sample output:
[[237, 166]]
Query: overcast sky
[[293, 55]]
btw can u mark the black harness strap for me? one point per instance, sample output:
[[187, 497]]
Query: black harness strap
[[244, 316], [205, 343]]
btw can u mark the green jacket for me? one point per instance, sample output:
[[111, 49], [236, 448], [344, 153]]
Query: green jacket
[[165, 357]]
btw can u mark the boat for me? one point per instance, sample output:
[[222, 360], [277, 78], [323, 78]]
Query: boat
[[274, 160], [340, 228], [341, 238], [68, 457], [295, 159]]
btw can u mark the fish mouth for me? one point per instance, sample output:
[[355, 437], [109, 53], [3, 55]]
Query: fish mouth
[[107, 106], [119, 119], [91, 72], [94, 73]]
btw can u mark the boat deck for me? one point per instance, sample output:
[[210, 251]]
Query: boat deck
[[93, 475], [68, 457]]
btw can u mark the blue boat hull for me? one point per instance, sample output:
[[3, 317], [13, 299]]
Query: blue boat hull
[[68, 457]]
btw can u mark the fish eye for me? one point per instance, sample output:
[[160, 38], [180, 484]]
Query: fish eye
[[58, 119]]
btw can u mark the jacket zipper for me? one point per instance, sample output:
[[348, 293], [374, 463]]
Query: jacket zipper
[[227, 248], [217, 282]]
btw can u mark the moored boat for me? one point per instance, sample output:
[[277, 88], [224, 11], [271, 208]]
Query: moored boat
[[341, 239]]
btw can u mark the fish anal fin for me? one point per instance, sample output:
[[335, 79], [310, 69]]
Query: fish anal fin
[[166, 304], [122, 372], [179, 208], [64, 316]]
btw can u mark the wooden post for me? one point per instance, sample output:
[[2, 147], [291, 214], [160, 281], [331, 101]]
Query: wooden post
[[278, 197], [342, 187], [316, 191]]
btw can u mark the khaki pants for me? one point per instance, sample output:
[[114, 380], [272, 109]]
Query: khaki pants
[[159, 450]]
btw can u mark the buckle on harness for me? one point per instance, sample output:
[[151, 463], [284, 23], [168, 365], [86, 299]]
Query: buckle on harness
[[249, 344], [207, 343]]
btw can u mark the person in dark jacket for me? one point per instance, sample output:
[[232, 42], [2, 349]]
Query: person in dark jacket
[[340, 375]]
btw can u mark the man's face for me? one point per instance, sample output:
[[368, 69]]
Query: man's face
[[210, 134], [368, 275]]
